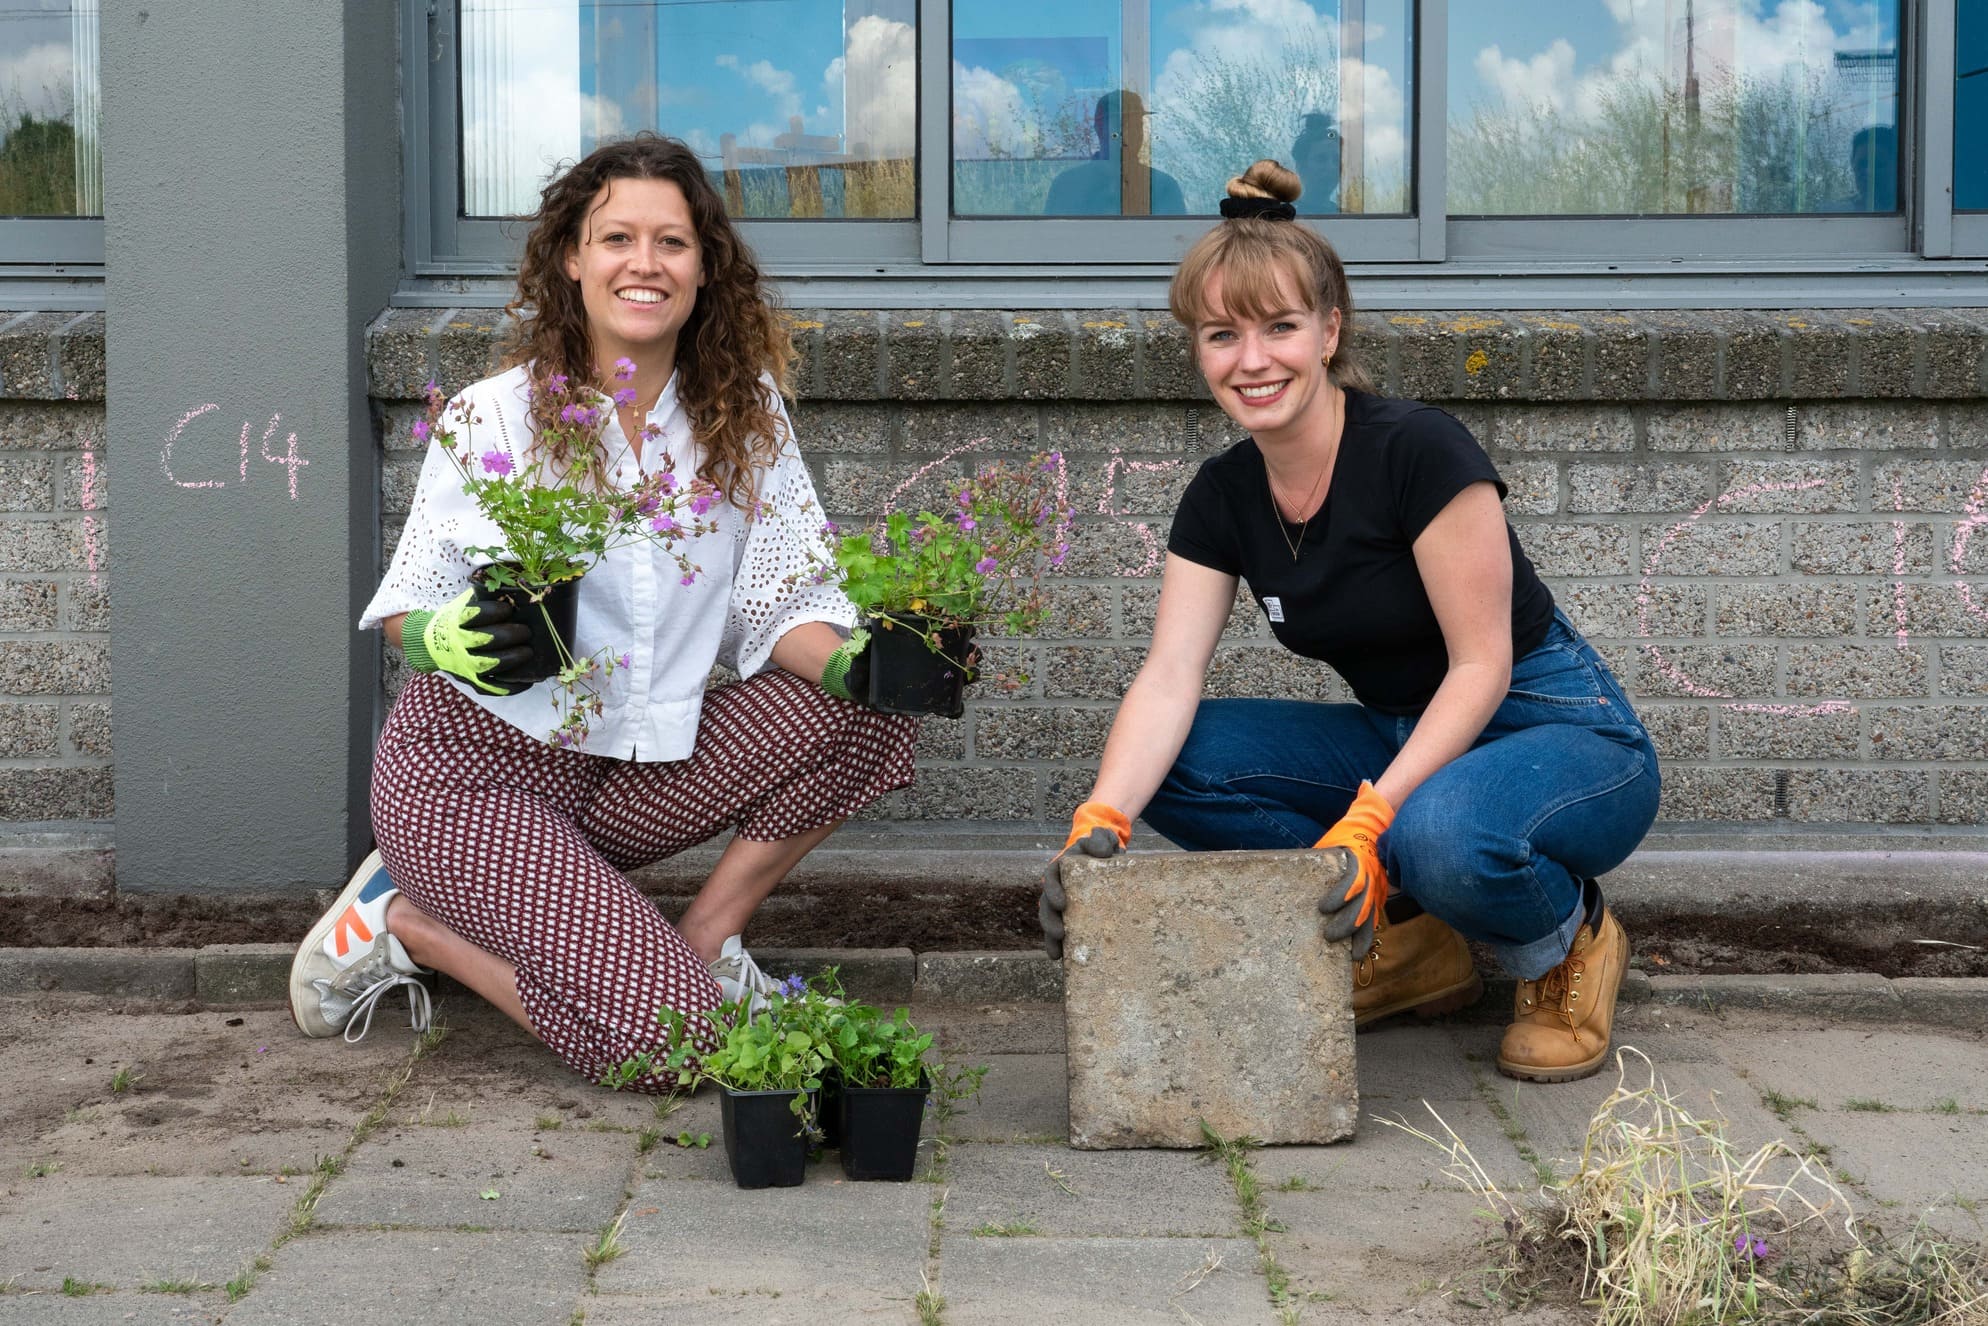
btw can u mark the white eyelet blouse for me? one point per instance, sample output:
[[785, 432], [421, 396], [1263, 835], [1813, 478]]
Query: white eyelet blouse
[[632, 602]]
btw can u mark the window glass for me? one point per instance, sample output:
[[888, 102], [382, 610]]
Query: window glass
[[1148, 107], [799, 108], [1970, 106], [1667, 107], [50, 163]]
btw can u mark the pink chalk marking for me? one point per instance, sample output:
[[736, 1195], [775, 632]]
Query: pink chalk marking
[[1898, 562], [166, 456], [289, 459], [1107, 501], [1975, 518], [1793, 710], [928, 467], [1677, 675]]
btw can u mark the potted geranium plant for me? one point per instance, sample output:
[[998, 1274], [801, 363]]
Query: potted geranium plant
[[926, 581], [886, 1080], [555, 527], [768, 1066]]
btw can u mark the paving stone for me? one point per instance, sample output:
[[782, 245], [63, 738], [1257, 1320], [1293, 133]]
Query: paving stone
[[129, 1231], [1385, 1158], [1089, 1193], [1023, 1096], [1028, 976], [1848, 995], [1556, 1117], [884, 1304], [434, 1178], [53, 1308], [1918, 1160], [242, 973], [1194, 1000], [435, 1278], [1401, 1060], [1101, 1282], [824, 1236], [1908, 1069], [1374, 1249], [1945, 1001]]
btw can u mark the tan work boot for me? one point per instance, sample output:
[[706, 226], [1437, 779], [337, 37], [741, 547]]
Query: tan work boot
[[1561, 1022], [1419, 964]]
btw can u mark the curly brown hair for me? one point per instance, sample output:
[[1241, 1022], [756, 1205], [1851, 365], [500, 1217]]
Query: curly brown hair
[[1253, 254], [734, 333]]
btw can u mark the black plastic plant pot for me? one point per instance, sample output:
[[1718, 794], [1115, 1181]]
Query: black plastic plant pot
[[880, 1127], [907, 676], [831, 1110], [763, 1138], [554, 613]]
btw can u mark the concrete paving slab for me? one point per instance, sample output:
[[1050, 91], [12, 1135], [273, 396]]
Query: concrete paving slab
[[1400, 1061], [1381, 1158], [686, 1237], [1556, 1116], [117, 1309], [1915, 1160], [1897, 1066], [1101, 1281], [886, 1308], [128, 1232], [207, 1091], [1376, 1251], [1131, 1193], [435, 1178], [1024, 1097], [966, 1030], [434, 1278]]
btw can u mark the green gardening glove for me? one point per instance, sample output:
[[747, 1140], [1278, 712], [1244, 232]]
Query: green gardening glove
[[846, 675], [470, 637]]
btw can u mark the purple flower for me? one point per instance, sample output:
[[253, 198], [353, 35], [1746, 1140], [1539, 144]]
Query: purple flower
[[1750, 1247], [625, 660], [966, 522], [421, 430], [667, 483], [985, 566], [793, 987], [557, 381], [624, 368], [830, 528], [625, 397], [1056, 557], [496, 462], [665, 525], [701, 503], [689, 578]]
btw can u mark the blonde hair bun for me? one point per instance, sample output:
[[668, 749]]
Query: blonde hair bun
[[1267, 179]]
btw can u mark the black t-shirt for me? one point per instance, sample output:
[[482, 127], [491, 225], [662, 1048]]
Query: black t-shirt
[[1354, 597]]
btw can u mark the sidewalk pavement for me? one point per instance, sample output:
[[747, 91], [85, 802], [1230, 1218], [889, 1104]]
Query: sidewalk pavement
[[245, 1175]]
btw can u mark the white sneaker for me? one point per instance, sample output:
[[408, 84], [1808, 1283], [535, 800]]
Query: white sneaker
[[348, 961], [739, 977]]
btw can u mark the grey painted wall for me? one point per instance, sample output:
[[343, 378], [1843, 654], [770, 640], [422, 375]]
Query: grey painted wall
[[250, 186]]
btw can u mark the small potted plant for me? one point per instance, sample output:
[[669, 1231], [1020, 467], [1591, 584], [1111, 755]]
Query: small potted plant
[[926, 581], [886, 1082], [555, 527], [768, 1067]]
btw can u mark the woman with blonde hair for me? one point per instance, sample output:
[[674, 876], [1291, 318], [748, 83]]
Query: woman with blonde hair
[[501, 856], [1489, 767]]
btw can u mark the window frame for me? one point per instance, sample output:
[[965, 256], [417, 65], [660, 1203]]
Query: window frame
[[939, 258]]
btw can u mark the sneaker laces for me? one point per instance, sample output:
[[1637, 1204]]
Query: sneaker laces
[[419, 1008], [741, 969]]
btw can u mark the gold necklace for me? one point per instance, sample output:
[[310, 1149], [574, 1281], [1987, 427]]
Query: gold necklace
[[1294, 544]]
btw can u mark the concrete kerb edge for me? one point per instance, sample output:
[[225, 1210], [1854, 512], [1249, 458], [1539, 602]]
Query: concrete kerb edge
[[238, 975]]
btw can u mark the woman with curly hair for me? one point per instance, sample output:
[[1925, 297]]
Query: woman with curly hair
[[501, 856]]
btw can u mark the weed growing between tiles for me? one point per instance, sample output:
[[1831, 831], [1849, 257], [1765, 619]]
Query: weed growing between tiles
[[1667, 1223]]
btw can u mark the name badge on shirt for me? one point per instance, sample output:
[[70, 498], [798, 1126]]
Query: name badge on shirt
[[1275, 608]]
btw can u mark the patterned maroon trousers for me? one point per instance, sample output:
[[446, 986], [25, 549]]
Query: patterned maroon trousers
[[518, 846]]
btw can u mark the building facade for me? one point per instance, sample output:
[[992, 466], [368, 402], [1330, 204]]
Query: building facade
[[1706, 277]]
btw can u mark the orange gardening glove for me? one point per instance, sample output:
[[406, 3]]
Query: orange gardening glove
[[1353, 906], [1095, 830]]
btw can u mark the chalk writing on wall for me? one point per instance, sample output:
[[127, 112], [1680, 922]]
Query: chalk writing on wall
[[88, 498], [290, 460]]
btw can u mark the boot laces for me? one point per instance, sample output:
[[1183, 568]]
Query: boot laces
[[1557, 990], [1368, 967]]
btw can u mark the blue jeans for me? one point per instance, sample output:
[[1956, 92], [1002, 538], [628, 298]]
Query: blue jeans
[[1560, 787]]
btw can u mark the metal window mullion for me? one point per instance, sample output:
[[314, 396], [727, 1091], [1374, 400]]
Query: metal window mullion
[[1934, 77], [1430, 139], [934, 153], [417, 178]]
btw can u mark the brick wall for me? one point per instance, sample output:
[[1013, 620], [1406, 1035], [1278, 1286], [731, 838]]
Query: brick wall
[[55, 706], [1767, 522]]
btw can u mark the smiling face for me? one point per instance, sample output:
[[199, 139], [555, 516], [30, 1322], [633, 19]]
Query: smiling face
[[639, 266], [1266, 366]]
